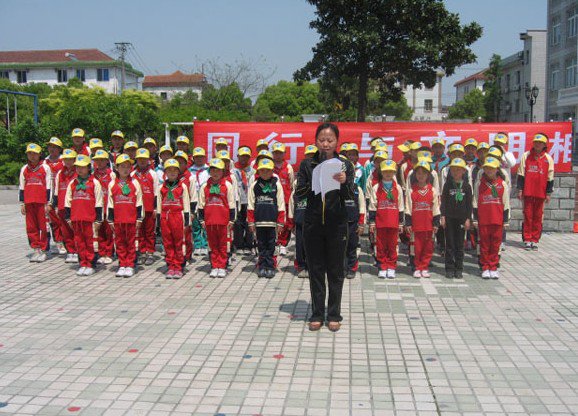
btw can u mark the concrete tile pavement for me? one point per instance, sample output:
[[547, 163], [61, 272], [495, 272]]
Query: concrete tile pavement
[[103, 345]]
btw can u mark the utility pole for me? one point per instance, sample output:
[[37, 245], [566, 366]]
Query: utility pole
[[122, 48]]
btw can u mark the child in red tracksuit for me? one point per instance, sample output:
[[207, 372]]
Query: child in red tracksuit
[[287, 179], [535, 185], [491, 205], [185, 177], [217, 215], [104, 174], [422, 217], [83, 205], [34, 196], [63, 178], [173, 215], [149, 183], [386, 216], [54, 162], [125, 214]]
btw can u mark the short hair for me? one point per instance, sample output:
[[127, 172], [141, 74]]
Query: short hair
[[324, 126]]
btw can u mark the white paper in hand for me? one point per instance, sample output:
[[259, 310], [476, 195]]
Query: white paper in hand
[[328, 169], [315, 183]]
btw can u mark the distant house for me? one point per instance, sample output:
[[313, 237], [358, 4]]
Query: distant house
[[468, 84], [426, 103], [54, 67], [166, 86]]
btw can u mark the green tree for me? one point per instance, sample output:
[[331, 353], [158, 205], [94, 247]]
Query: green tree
[[289, 100], [389, 41], [472, 106], [493, 93]]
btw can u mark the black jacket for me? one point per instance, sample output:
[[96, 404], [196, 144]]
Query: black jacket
[[333, 210], [450, 207]]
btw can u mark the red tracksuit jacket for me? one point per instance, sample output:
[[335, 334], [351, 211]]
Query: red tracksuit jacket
[[124, 209], [491, 209], [60, 185], [385, 212], [149, 184], [536, 174], [35, 184], [217, 209], [422, 208], [105, 177], [84, 204]]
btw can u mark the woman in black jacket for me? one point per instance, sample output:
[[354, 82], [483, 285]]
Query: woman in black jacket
[[325, 229]]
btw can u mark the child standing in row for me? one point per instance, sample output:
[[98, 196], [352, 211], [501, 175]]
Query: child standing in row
[[55, 163], [64, 177], [149, 186], [104, 174]]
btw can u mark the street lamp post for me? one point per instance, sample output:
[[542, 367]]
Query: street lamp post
[[531, 96]]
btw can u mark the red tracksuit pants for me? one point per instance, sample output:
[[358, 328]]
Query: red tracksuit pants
[[386, 248], [490, 239], [124, 237], [284, 236], [172, 232], [84, 238], [105, 240], [533, 216], [56, 225], [67, 233], [218, 238], [423, 249], [188, 242], [146, 237], [36, 225]]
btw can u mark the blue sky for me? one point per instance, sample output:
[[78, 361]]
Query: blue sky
[[178, 34]]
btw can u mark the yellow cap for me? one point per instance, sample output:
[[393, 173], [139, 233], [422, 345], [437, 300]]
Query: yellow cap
[[223, 155], [540, 138], [244, 151], [100, 154], [380, 154], [180, 153], [142, 154], [78, 133], [94, 143], [310, 149], [34, 148], [221, 141], [456, 147], [265, 164], [172, 163], [471, 142], [279, 147], [262, 142], [501, 138], [380, 146], [130, 145], [415, 146], [422, 164], [68, 154], [55, 141], [438, 140], [458, 163], [82, 160], [483, 145], [123, 158], [495, 152], [492, 162], [149, 140], [424, 155], [217, 163], [166, 148], [344, 147], [183, 139], [373, 142], [403, 148], [388, 165], [353, 146], [117, 133], [265, 153], [199, 151]]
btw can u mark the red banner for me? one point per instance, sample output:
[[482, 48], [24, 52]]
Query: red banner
[[298, 135]]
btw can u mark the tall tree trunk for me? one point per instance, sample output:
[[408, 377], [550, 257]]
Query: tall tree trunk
[[362, 96]]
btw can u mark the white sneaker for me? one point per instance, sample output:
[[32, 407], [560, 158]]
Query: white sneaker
[[534, 246], [69, 258], [41, 257], [222, 273], [417, 274], [527, 246], [34, 257], [80, 272], [100, 260], [204, 251], [303, 274], [486, 274], [75, 258], [128, 272], [197, 252], [214, 273], [61, 249], [120, 272], [425, 273], [54, 249], [282, 250], [88, 271], [494, 274], [502, 247], [382, 274], [107, 260], [391, 273]]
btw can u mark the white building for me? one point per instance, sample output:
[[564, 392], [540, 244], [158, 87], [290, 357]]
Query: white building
[[57, 67], [426, 103], [166, 86], [468, 84]]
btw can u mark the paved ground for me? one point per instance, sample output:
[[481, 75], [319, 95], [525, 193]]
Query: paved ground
[[104, 345]]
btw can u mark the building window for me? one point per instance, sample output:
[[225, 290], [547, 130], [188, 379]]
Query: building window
[[81, 75], [4, 74], [163, 95], [428, 106], [554, 76], [554, 117], [518, 78], [527, 57], [571, 72], [21, 77], [466, 90], [102, 74], [62, 75], [572, 28], [556, 34]]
